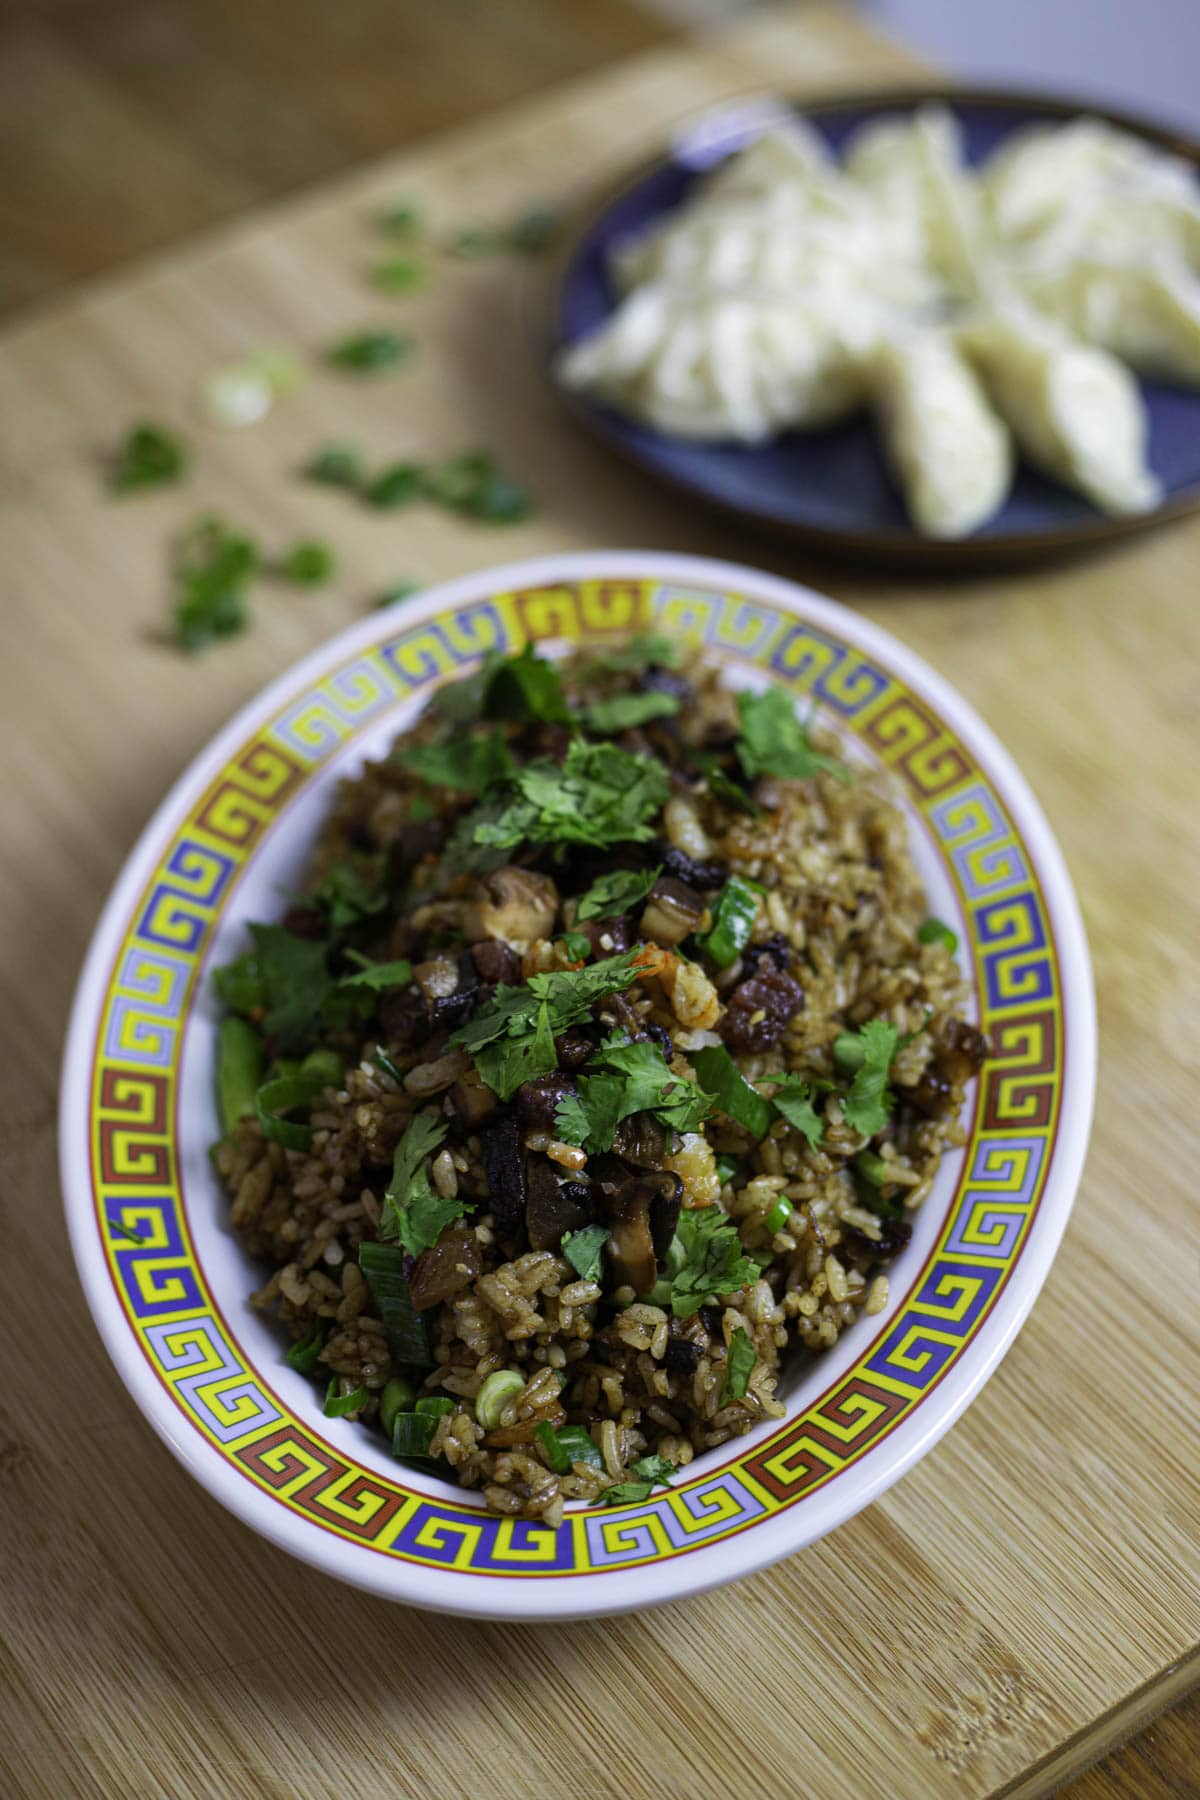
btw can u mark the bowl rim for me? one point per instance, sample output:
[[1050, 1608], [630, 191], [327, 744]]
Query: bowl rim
[[613, 1590], [983, 549]]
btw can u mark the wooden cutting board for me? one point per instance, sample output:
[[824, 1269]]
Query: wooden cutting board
[[1022, 1598]]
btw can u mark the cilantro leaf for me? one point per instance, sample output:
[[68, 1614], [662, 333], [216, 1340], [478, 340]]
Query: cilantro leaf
[[739, 1363], [346, 897], [584, 1250], [869, 1101], [644, 649], [600, 795], [616, 892], [654, 1469], [722, 1078], [377, 976], [793, 1099], [511, 1036], [526, 688], [621, 1079], [335, 465], [714, 1265], [295, 982], [623, 711], [307, 563], [722, 786], [412, 1211], [573, 992], [212, 566], [148, 456], [774, 742], [627, 1493], [934, 932], [470, 765]]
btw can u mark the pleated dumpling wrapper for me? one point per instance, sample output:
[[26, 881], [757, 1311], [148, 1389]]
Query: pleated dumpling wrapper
[[951, 455], [1149, 317], [1074, 409]]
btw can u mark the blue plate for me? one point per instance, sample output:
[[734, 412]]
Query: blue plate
[[830, 488]]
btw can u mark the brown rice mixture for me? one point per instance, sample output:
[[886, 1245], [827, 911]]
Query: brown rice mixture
[[773, 916]]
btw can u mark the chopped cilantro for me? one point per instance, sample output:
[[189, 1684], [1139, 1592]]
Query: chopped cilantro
[[525, 688], [793, 1099], [567, 1446], [623, 711], [401, 220], [529, 234], [934, 932], [722, 1078], [377, 976], [774, 742], [511, 1036], [598, 795], [584, 1250], [616, 892], [577, 944], [739, 1362], [470, 765], [627, 1493], [398, 274], [346, 897], [367, 352], [713, 1265], [645, 649], [399, 590], [869, 1100], [412, 1211], [294, 984], [654, 1469], [336, 465], [621, 1079], [470, 483], [307, 563], [397, 485], [148, 456], [212, 565], [722, 786]]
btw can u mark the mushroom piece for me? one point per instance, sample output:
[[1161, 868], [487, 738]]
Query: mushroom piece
[[672, 910], [504, 1171], [624, 1199], [554, 1205], [472, 1100], [444, 1269], [514, 905]]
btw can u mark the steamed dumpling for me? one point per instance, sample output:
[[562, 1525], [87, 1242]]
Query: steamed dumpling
[[951, 455], [722, 366], [1148, 317], [1040, 170], [1075, 410], [913, 165]]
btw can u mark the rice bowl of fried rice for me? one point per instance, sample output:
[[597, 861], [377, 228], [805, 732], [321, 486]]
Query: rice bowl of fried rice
[[582, 1072]]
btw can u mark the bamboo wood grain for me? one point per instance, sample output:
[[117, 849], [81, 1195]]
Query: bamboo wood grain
[[979, 1630]]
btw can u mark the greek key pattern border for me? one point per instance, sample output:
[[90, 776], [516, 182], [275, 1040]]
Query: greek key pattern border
[[140, 1214]]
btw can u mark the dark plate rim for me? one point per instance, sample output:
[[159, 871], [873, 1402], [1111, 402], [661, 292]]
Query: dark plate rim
[[907, 546]]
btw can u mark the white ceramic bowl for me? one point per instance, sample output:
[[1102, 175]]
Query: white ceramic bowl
[[138, 1114]]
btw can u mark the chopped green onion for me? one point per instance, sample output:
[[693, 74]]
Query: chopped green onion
[[849, 1051], [499, 1388], [436, 1405], [739, 1365], [408, 1341], [243, 392], [733, 921], [277, 1097], [412, 1434], [873, 1169], [305, 1353], [398, 1396], [383, 1061], [367, 352], [579, 1446], [324, 1066], [397, 485], [337, 1406], [779, 1214], [934, 932], [729, 1168], [577, 945], [239, 1069], [555, 1456], [720, 1076]]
